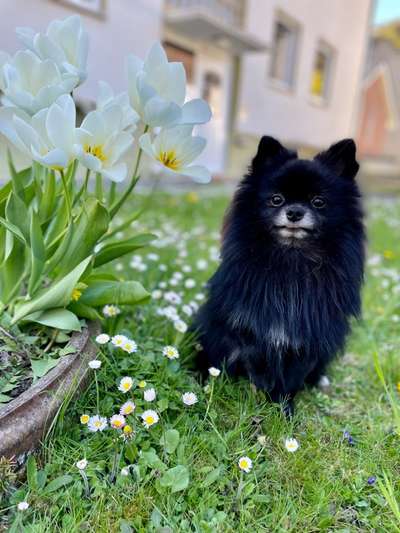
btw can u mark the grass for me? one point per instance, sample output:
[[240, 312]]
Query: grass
[[323, 486]]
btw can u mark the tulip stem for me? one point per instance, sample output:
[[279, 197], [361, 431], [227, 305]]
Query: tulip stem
[[135, 178], [66, 191]]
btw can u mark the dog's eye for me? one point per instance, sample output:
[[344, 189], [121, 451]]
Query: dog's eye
[[318, 202], [277, 200]]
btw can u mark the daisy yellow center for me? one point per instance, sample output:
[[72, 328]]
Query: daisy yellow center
[[149, 420], [142, 384], [169, 159], [243, 463], [128, 409], [126, 386], [98, 423], [117, 423], [76, 294], [96, 150], [85, 419], [127, 430]]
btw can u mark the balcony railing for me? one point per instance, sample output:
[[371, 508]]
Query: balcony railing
[[229, 12]]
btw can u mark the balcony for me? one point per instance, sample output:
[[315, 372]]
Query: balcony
[[220, 22]]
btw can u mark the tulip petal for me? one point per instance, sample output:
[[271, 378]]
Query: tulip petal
[[197, 172], [54, 158], [146, 146], [196, 111], [117, 173], [159, 112]]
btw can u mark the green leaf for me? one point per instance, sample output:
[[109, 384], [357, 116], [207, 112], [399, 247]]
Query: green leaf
[[13, 229], [56, 228], [4, 194], [56, 318], [211, 477], [60, 251], [101, 293], [38, 253], [48, 201], [31, 473], [40, 367], [12, 272], [56, 295], [91, 224], [170, 440], [59, 482], [84, 311], [117, 249], [17, 214], [176, 478]]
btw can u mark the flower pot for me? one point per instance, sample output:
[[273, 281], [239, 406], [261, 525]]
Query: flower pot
[[25, 420]]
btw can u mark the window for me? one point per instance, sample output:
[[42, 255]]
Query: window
[[285, 44], [321, 76], [96, 7]]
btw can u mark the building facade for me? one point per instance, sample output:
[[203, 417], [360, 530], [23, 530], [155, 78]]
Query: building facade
[[278, 67]]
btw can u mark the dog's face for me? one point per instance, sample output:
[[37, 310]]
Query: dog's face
[[301, 201]]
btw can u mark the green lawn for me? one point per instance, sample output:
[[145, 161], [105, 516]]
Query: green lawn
[[190, 481]]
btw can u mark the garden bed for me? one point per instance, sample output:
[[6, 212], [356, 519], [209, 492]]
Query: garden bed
[[25, 420]]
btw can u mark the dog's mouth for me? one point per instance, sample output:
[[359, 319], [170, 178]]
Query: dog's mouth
[[294, 232]]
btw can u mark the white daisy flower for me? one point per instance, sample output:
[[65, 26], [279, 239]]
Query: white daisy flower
[[125, 384], [291, 445], [125, 471], [129, 346], [171, 313], [149, 418], [170, 352], [82, 464], [172, 297], [97, 423], [163, 268], [187, 310], [162, 285], [186, 269], [149, 395], [127, 408], [180, 326], [103, 338], [200, 296], [153, 257], [201, 264], [94, 364], [174, 282], [189, 398], [119, 340], [111, 310], [245, 464], [214, 372], [156, 294], [190, 283], [194, 305], [23, 506], [117, 421]]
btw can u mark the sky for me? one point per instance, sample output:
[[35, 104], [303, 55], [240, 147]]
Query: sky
[[386, 10]]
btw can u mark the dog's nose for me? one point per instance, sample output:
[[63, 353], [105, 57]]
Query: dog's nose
[[295, 213]]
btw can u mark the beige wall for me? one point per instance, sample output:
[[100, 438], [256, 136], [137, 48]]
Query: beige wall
[[129, 26], [292, 115]]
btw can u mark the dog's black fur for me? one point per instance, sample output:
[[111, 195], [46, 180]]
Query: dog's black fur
[[281, 300]]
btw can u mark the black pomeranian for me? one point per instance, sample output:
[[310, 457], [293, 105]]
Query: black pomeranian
[[291, 270]]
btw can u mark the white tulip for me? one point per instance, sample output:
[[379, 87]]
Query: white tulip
[[41, 136], [65, 42], [175, 148], [101, 143], [32, 84], [4, 58], [107, 99], [157, 91]]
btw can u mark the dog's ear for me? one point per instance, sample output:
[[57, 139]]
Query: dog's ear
[[271, 150], [341, 158]]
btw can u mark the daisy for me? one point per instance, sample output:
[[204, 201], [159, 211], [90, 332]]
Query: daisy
[[214, 372], [124, 471], [187, 310], [291, 445], [117, 421], [156, 294], [189, 398], [201, 264], [129, 346], [127, 408], [245, 464], [82, 464], [84, 419], [170, 352], [110, 311], [103, 338], [190, 283], [23, 506], [97, 423], [149, 418], [180, 326], [94, 364], [128, 431], [119, 340], [149, 395], [125, 384], [142, 384]]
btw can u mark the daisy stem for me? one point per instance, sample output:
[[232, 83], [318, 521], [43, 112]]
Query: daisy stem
[[86, 483], [66, 192], [116, 461], [135, 178], [85, 183], [210, 399]]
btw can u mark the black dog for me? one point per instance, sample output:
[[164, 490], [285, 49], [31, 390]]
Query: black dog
[[289, 281]]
